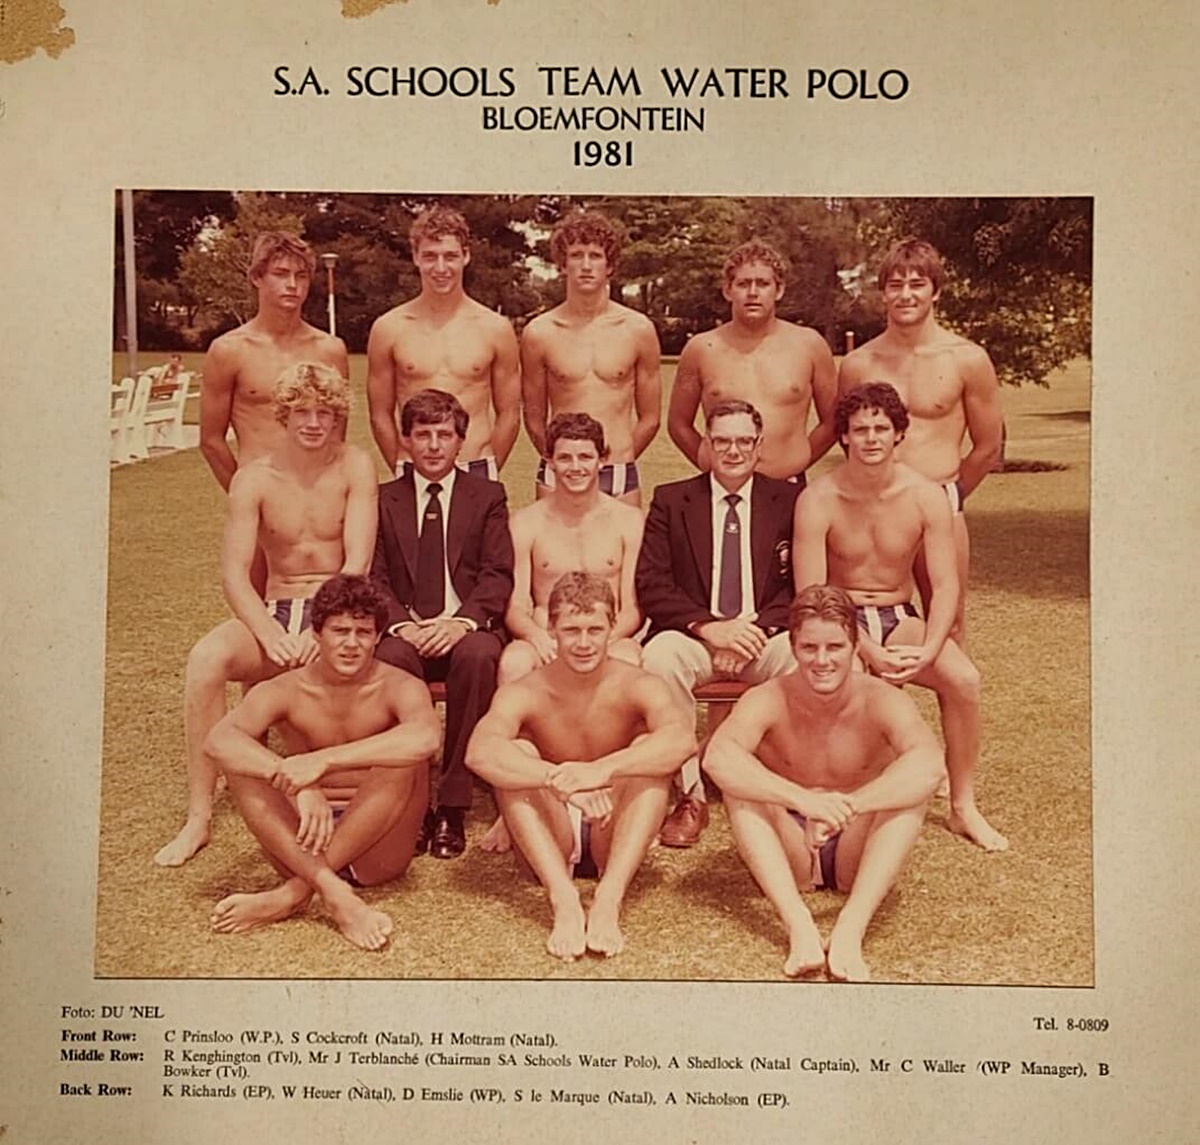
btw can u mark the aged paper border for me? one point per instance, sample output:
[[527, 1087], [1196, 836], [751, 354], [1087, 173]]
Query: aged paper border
[[1091, 99]]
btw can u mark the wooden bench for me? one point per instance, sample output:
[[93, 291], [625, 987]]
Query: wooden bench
[[718, 692]]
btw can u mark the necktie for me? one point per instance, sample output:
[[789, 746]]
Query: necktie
[[431, 560], [729, 587]]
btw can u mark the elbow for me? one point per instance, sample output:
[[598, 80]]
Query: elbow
[[430, 740]]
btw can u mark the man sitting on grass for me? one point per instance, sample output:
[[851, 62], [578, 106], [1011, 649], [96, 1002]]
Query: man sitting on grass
[[579, 752], [826, 774], [346, 812]]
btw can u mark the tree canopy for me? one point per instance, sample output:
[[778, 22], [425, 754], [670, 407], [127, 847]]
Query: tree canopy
[[1019, 268]]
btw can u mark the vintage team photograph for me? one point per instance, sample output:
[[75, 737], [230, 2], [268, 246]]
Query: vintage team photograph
[[607, 588]]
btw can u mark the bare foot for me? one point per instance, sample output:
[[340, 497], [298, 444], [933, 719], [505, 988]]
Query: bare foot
[[968, 822], [497, 838], [845, 958], [603, 930], [566, 939], [236, 914], [806, 955], [192, 836], [359, 923]]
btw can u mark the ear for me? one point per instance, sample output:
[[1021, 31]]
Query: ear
[[466, 256], [725, 286]]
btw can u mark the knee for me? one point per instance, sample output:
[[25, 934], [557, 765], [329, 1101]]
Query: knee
[[399, 653], [964, 682], [517, 660], [208, 662], [628, 650]]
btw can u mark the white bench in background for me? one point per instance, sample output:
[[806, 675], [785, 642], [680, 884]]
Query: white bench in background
[[155, 417], [120, 401]]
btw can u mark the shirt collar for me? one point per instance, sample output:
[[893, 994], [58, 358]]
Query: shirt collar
[[719, 492], [423, 483]]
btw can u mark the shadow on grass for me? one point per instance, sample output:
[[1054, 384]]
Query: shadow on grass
[[1040, 555], [1079, 415]]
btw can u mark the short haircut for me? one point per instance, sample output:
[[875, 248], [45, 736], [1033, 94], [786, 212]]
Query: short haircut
[[582, 592], [438, 223], [348, 595], [575, 427], [733, 406], [912, 253], [871, 396], [585, 228], [310, 384], [271, 245], [429, 407], [823, 602], [755, 250]]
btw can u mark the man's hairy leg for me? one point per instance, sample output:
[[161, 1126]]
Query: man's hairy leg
[[639, 807], [273, 821], [758, 831], [228, 652], [871, 853], [541, 829]]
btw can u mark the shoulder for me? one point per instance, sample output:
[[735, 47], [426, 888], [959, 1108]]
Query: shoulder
[[390, 321], [973, 360], [542, 326], [625, 517], [224, 349], [357, 461], [528, 516], [672, 492]]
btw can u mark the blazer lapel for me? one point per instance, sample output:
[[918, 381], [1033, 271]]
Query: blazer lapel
[[697, 522], [404, 521], [762, 535], [456, 525]]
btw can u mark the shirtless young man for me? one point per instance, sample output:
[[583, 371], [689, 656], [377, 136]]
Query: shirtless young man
[[345, 811], [574, 529], [242, 366], [948, 385], [592, 355], [586, 741], [778, 367], [443, 339], [309, 504], [861, 527], [827, 773]]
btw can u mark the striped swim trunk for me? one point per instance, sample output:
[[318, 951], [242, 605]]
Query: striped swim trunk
[[879, 621], [616, 478], [479, 467], [294, 615], [955, 495], [824, 858]]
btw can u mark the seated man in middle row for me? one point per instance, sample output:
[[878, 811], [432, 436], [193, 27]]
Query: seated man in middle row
[[444, 560], [584, 738], [576, 528], [714, 578]]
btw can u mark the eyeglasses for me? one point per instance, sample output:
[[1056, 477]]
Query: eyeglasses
[[725, 444]]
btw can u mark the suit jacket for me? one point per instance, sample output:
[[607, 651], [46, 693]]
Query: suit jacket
[[674, 568], [479, 549]]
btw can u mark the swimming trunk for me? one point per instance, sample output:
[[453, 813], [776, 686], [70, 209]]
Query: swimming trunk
[[879, 621], [825, 857], [583, 864], [955, 495], [616, 478], [346, 874], [798, 479], [294, 615], [479, 467]]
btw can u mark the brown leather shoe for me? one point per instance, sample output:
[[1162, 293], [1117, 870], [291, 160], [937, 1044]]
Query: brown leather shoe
[[683, 826]]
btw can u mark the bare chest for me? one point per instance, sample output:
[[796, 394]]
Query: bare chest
[[590, 547], [458, 355], [774, 375], [884, 531], [314, 510], [602, 351], [574, 728]]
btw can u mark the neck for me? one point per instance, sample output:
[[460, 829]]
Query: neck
[[731, 486], [588, 305], [911, 336], [279, 323], [570, 504], [872, 476], [753, 328], [442, 305]]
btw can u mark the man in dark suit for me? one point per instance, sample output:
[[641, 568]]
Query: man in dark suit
[[448, 580], [714, 578]]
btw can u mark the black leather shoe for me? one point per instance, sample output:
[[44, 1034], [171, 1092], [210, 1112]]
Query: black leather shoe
[[449, 838], [425, 833]]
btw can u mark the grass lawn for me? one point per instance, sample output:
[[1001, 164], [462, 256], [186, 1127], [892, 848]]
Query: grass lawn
[[957, 916]]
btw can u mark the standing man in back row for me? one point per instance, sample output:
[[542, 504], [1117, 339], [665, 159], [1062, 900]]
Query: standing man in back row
[[243, 365], [946, 383], [443, 339], [592, 355], [781, 369]]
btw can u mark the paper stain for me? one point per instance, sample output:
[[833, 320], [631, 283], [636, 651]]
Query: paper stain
[[356, 9], [26, 25]]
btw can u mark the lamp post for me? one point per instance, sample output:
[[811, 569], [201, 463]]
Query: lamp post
[[330, 261]]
